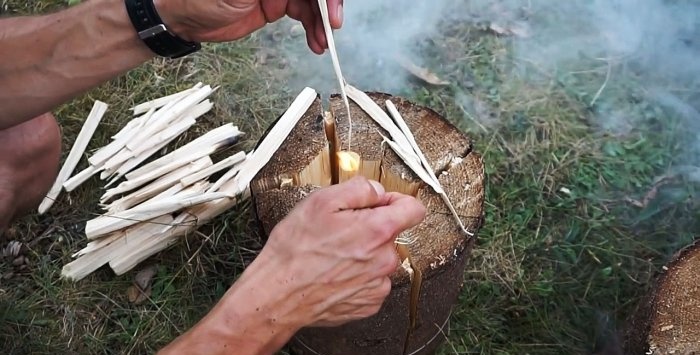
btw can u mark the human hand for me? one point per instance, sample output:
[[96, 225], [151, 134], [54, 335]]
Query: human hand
[[227, 20], [328, 262], [338, 251]]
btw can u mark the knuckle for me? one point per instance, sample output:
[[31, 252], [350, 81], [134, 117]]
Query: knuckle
[[385, 288], [389, 262]]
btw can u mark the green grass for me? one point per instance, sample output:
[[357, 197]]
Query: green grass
[[560, 264]]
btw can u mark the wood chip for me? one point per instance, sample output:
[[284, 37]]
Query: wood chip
[[81, 142]]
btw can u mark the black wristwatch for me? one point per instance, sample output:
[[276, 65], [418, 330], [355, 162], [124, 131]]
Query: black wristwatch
[[153, 32]]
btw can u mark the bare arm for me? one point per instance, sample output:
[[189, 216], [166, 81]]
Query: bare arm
[[47, 60]]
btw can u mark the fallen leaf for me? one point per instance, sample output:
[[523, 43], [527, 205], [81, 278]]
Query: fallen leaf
[[421, 73]]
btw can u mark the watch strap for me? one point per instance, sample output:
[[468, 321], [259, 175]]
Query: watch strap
[[153, 32]]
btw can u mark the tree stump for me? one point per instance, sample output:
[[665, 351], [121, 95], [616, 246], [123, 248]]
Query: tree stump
[[668, 319], [412, 320]]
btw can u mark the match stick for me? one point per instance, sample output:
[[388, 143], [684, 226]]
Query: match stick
[[273, 140], [81, 142], [208, 171]]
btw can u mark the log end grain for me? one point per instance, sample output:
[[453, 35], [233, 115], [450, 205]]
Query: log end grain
[[668, 320], [413, 316]]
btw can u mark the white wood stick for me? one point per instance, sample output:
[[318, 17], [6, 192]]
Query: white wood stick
[[81, 142], [134, 123], [106, 224], [98, 244], [228, 175], [379, 116], [162, 101], [205, 173], [216, 136], [108, 151], [158, 186], [191, 115], [186, 222], [88, 263], [139, 181], [273, 140], [323, 6], [163, 117], [79, 178], [167, 136], [424, 161]]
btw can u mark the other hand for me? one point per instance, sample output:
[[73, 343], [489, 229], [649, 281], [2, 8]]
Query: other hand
[[228, 20], [339, 247]]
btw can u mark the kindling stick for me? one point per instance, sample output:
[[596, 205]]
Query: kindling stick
[[81, 142]]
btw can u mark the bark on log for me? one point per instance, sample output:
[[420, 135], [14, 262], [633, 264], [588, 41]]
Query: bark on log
[[439, 251], [667, 321]]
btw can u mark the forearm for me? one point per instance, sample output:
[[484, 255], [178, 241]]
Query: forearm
[[47, 60], [257, 316]]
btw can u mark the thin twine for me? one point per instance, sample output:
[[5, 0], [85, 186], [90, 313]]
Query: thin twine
[[440, 331]]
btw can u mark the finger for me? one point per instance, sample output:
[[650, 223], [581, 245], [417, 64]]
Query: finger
[[386, 222], [301, 10], [335, 13], [356, 193], [383, 261], [321, 34], [273, 10]]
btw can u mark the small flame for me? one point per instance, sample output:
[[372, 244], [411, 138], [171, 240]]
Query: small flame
[[348, 161]]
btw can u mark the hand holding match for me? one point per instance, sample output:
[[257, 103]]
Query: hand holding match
[[205, 21]]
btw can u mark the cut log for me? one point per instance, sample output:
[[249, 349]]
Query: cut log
[[426, 287], [81, 142], [667, 321]]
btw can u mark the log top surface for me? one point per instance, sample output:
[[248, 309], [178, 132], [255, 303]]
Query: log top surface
[[438, 239]]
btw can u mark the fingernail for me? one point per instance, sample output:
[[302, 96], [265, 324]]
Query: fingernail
[[377, 187], [340, 14]]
